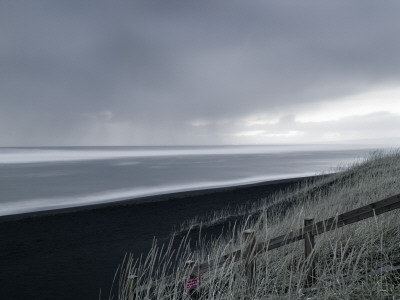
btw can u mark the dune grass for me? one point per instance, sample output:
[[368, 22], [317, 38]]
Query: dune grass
[[347, 259]]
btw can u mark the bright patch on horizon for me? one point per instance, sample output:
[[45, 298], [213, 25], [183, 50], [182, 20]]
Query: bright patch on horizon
[[376, 101], [250, 133], [290, 133], [331, 136], [266, 134]]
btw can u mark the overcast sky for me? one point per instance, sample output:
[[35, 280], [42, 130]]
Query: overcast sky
[[185, 72]]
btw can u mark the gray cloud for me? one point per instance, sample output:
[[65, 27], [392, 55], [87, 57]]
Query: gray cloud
[[102, 72]]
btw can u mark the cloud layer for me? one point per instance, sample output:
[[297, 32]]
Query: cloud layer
[[196, 72]]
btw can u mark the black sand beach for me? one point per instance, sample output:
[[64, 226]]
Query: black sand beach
[[72, 254]]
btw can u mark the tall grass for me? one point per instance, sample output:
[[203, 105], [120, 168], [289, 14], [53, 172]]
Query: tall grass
[[344, 257]]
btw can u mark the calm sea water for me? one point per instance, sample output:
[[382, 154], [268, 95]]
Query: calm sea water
[[36, 179]]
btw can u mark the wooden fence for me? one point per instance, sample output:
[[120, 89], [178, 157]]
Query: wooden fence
[[307, 233]]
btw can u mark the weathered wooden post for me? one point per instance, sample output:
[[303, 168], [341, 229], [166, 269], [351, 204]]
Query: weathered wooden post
[[192, 284], [248, 257], [308, 247], [132, 282]]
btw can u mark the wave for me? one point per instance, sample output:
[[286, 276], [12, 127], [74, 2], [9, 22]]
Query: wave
[[45, 155], [43, 204]]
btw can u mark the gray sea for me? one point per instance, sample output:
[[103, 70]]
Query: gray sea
[[37, 179]]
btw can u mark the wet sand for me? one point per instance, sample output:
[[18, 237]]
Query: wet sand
[[73, 253]]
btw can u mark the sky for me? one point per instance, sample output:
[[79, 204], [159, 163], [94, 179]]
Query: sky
[[185, 72]]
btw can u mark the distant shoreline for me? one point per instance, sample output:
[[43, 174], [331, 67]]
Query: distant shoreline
[[151, 198]]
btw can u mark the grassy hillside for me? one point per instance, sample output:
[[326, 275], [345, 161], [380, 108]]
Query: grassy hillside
[[342, 256]]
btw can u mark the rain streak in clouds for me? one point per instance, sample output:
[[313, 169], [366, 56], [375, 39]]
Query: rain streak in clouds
[[198, 72]]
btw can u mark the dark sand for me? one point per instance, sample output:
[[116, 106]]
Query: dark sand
[[71, 254]]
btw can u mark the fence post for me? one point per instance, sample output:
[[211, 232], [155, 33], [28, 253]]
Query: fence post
[[248, 255], [132, 279], [308, 247]]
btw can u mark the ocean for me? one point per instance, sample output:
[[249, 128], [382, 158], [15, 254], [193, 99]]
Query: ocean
[[38, 179]]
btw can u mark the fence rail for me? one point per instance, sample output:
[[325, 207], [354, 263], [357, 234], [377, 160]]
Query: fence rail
[[347, 218], [306, 233]]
